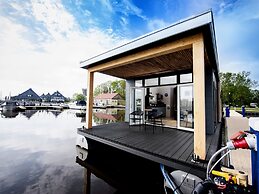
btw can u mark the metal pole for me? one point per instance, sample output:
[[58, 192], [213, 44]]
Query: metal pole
[[254, 127]]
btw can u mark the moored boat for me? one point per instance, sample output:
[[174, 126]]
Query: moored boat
[[10, 106], [78, 105]]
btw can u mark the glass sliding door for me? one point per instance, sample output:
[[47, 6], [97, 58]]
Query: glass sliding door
[[185, 107], [137, 100]]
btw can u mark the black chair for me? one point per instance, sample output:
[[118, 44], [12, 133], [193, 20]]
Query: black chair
[[155, 119], [136, 117]]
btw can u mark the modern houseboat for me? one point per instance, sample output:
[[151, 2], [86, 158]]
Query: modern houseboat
[[172, 82]]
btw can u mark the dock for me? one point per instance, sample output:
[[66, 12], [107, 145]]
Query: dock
[[43, 107], [171, 147]]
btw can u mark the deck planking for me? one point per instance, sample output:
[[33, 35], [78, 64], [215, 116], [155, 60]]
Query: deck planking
[[171, 147]]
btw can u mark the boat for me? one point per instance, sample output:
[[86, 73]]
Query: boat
[[78, 105], [81, 147], [64, 105], [10, 106]]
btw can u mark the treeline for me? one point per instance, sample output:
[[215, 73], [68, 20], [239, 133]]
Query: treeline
[[117, 86], [238, 89]]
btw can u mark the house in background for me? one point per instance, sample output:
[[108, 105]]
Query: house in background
[[57, 97], [27, 96], [46, 98], [109, 99]]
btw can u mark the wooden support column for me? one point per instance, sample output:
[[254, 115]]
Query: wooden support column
[[89, 107], [199, 99]]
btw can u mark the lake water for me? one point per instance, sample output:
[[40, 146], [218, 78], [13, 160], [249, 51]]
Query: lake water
[[38, 155]]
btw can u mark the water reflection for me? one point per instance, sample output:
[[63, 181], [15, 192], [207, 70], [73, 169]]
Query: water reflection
[[9, 114], [29, 113], [55, 112], [37, 153]]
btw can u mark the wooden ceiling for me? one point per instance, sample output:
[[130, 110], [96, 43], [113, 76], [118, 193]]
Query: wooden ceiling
[[177, 61], [172, 62]]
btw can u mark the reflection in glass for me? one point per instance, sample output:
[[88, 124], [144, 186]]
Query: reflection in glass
[[139, 99], [186, 106], [186, 78], [138, 83], [168, 80], [151, 82], [105, 116]]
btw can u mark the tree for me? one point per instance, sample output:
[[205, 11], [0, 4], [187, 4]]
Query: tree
[[255, 98], [236, 88], [117, 86], [78, 97]]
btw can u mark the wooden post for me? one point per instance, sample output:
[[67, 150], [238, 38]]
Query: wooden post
[[87, 181], [89, 107], [199, 99]]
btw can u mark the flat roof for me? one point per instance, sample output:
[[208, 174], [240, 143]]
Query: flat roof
[[191, 23]]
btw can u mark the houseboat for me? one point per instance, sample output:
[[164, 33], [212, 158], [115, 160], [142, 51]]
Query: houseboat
[[172, 92]]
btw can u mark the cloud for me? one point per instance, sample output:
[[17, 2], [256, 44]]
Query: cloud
[[51, 62], [107, 5], [156, 24], [129, 8], [42, 42], [236, 31], [55, 18]]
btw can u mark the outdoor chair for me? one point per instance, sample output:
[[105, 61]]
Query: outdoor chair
[[136, 117], [154, 118]]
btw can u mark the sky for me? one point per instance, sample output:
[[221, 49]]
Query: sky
[[43, 41]]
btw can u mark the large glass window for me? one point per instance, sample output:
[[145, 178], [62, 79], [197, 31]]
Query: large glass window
[[186, 78], [138, 83], [168, 80], [151, 82]]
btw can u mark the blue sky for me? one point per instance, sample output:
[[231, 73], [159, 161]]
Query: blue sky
[[43, 41]]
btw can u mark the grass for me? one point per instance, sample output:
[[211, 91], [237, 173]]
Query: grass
[[247, 109]]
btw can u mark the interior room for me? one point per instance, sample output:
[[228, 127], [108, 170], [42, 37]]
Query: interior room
[[164, 100]]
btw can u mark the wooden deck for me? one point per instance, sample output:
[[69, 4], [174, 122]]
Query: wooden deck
[[171, 147]]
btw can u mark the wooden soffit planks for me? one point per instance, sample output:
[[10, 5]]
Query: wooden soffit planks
[[172, 62], [169, 57]]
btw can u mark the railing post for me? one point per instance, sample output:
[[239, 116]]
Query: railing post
[[243, 111], [227, 111]]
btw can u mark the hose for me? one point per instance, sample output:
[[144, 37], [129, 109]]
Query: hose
[[219, 160], [212, 158], [169, 181]]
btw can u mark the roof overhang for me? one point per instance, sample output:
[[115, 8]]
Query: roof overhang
[[171, 60]]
